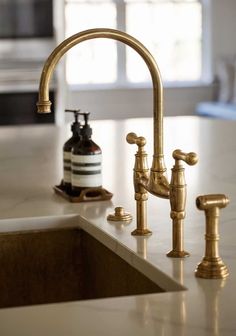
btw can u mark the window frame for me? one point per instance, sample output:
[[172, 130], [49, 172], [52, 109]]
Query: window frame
[[122, 80]]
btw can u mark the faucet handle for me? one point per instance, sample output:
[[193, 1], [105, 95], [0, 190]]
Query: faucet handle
[[141, 170], [132, 138], [140, 178], [178, 202], [190, 158]]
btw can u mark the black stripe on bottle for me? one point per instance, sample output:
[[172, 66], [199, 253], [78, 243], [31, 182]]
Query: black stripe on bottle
[[94, 164], [66, 161], [67, 168], [85, 172]]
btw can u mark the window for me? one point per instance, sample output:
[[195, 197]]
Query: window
[[171, 30], [93, 61]]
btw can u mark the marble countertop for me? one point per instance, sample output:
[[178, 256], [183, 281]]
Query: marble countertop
[[31, 164]]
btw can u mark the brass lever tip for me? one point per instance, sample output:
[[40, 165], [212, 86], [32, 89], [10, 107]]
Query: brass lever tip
[[192, 158], [131, 138]]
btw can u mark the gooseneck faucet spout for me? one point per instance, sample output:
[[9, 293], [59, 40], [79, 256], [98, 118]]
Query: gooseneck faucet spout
[[157, 183]]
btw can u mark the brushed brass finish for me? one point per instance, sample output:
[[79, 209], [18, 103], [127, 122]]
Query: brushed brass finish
[[156, 181], [178, 194], [140, 178], [157, 184], [212, 266], [120, 215]]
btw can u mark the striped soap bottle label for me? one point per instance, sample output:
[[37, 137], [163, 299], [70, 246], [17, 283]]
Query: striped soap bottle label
[[86, 170], [67, 167]]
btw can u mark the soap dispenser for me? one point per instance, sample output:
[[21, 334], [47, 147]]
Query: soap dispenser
[[86, 160], [75, 128]]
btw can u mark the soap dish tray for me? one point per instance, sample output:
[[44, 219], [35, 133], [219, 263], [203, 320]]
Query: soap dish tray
[[86, 195]]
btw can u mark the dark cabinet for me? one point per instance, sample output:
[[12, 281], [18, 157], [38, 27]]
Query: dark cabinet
[[19, 109], [26, 19]]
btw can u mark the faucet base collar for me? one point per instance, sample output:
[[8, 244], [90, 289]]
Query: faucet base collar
[[141, 232], [212, 268], [178, 254]]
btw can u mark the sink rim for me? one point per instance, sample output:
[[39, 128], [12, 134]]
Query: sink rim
[[73, 221]]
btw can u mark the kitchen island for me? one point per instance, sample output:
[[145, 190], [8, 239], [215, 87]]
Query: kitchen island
[[31, 164]]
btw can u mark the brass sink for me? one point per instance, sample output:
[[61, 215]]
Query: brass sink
[[61, 265]]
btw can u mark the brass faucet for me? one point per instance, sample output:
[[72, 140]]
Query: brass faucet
[[154, 181], [157, 184]]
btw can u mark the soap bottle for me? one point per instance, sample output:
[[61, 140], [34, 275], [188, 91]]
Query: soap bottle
[[75, 128], [86, 161]]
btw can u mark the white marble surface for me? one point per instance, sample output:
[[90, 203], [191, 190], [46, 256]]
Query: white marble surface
[[31, 163]]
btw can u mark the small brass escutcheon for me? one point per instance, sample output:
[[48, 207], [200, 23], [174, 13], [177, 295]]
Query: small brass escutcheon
[[120, 215]]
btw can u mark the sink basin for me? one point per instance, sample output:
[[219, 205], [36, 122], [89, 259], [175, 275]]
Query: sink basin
[[63, 265]]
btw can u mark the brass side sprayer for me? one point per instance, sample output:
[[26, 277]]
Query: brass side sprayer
[[212, 266]]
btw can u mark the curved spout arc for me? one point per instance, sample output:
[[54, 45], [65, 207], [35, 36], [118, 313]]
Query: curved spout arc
[[90, 34], [158, 166]]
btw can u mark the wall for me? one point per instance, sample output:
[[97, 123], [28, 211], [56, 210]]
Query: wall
[[133, 103], [221, 27]]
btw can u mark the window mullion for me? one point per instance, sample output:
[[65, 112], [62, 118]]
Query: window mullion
[[207, 72], [121, 52]]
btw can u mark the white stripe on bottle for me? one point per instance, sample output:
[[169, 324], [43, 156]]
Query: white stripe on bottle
[[67, 167], [86, 170]]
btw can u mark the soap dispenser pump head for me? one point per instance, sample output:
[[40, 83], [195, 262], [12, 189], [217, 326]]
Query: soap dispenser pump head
[[86, 117], [86, 130], [76, 124]]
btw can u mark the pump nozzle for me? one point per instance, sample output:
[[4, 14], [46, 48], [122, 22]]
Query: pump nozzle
[[76, 125], [86, 117], [76, 113], [86, 130]]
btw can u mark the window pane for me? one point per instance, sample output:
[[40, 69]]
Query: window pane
[[92, 61], [172, 31]]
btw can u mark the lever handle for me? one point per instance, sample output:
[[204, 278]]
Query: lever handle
[[190, 158], [132, 138]]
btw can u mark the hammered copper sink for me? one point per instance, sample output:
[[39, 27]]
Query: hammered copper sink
[[63, 265]]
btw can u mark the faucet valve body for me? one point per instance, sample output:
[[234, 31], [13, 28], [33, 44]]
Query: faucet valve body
[[212, 266], [178, 192], [140, 178]]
